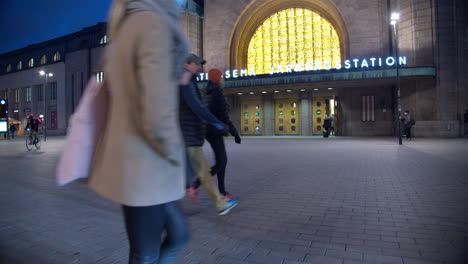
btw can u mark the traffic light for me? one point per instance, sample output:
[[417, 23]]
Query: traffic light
[[3, 109]]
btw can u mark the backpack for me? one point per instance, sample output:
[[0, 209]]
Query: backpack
[[412, 121]]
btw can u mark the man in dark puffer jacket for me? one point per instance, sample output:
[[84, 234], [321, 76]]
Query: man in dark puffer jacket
[[217, 104], [193, 117]]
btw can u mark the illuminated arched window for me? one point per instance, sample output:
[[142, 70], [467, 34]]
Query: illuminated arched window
[[56, 56], [19, 66], [31, 63], [8, 68], [103, 40], [298, 37], [43, 59]]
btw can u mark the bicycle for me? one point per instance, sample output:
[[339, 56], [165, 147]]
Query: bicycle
[[31, 140]]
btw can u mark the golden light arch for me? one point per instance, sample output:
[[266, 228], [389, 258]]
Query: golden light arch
[[298, 37]]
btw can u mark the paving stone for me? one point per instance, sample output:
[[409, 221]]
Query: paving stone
[[357, 201]]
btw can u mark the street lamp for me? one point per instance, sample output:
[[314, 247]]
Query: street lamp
[[46, 75], [395, 17]]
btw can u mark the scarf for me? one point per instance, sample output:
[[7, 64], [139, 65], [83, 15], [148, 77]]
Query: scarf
[[168, 10]]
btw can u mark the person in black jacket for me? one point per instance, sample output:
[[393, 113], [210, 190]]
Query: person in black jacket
[[217, 104], [326, 126], [194, 116]]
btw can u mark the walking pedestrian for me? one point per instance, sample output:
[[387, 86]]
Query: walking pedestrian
[[217, 104], [193, 117], [140, 160]]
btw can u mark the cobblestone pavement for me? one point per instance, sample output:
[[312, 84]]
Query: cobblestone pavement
[[307, 200]]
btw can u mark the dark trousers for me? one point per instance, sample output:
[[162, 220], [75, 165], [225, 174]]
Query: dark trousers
[[145, 226], [219, 169], [408, 132], [466, 129]]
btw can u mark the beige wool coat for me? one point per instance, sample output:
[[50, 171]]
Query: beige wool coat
[[140, 160]]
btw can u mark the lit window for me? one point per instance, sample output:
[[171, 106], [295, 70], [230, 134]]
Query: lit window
[[17, 96], [56, 56], [294, 36], [8, 68], [19, 66], [28, 94], [100, 76], [31, 63], [43, 59], [103, 40]]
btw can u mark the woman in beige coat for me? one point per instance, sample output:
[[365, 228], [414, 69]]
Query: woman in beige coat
[[140, 161]]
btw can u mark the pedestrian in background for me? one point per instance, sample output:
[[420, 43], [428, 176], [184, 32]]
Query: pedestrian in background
[[140, 161], [193, 117], [12, 130], [326, 126], [217, 104], [407, 123]]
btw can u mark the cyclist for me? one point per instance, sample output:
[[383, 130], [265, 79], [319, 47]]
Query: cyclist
[[33, 128]]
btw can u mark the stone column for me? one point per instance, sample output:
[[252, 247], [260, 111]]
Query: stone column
[[268, 115], [305, 113]]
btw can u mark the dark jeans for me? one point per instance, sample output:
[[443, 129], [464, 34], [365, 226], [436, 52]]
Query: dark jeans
[[408, 132], [145, 226], [219, 149]]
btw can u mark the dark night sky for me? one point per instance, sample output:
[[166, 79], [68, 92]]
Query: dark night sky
[[24, 22]]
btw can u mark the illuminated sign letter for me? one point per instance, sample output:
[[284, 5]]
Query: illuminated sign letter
[[390, 61], [235, 74], [318, 65], [243, 73], [288, 68], [347, 64], [252, 72], [280, 69], [364, 63], [338, 65], [355, 63], [403, 60], [373, 61], [227, 75], [298, 68]]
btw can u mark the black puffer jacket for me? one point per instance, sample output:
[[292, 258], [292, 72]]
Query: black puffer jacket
[[193, 115], [218, 106]]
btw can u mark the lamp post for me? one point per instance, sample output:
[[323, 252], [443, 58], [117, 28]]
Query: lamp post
[[47, 75], [394, 22]]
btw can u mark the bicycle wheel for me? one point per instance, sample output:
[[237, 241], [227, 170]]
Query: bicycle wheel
[[38, 142], [29, 145]]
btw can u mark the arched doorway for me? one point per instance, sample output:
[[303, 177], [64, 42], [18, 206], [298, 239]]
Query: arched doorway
[[275, 24]]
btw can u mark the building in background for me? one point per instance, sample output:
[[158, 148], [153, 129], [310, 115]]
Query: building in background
[[288, 64], [68, 63]]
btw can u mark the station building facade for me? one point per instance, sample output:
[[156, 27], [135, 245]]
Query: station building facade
[[287, 65], [290, 63]]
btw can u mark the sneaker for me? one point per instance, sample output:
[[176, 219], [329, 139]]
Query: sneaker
[[192, 193], [230, 204], [228, 196]]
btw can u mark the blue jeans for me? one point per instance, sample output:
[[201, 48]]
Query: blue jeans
[[144, 229]]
